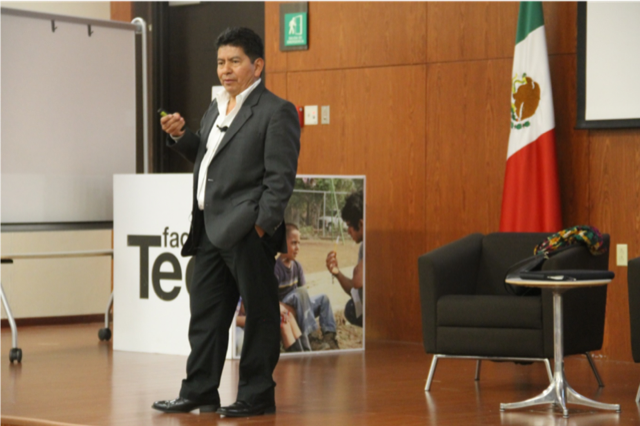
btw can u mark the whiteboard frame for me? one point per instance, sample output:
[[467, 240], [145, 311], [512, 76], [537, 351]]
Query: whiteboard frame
[[71, 19], [581, 121]]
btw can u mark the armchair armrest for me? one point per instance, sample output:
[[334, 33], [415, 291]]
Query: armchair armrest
[[633, 283], [450, 269]]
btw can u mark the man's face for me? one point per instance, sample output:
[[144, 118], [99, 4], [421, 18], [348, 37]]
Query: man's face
[[356, 235], [293, 244], [236, 71]]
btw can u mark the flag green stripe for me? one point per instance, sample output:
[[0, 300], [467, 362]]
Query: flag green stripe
[[529, 18]]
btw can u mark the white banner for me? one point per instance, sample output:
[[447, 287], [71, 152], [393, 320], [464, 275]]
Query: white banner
[[151, 301]]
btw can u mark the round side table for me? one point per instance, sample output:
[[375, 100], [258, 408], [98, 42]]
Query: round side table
[[559, 392]]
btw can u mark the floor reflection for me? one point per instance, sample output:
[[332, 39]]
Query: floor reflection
[[554, 418]]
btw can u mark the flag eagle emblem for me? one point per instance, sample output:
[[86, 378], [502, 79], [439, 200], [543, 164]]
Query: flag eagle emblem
[[525, 98]]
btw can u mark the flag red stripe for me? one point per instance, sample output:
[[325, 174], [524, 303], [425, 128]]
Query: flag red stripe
[[531, 197]]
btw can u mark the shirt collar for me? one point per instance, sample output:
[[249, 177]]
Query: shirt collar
[[222, 97]]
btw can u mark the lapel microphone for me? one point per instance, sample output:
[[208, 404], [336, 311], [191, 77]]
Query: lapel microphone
[[222, 129]]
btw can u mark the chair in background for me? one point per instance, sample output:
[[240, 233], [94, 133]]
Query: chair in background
[[468, 313], [633, 281]]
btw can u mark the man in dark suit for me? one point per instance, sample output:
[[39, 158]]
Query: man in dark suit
[[246, 158]]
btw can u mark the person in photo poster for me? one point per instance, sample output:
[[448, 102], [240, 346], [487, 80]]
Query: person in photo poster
[[292, 292], [352, 214], [241, 317], [292, 338], [289, 331], [245, 159]]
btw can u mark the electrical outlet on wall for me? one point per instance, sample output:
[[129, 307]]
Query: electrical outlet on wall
[[310, 115], [325, 114], [621, 255]]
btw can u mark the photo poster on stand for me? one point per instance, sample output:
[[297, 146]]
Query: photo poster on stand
[[320, 313]]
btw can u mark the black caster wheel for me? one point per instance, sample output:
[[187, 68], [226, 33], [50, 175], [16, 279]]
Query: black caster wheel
[[15, 354], [104, 334]]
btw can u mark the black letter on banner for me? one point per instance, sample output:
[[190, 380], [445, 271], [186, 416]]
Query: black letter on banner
[[157, 275], [144, 242]]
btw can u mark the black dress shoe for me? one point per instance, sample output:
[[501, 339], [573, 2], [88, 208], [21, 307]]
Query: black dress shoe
[[182, 405], [243, 409]]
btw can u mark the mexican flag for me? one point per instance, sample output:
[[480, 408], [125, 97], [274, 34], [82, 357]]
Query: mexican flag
[[531, 196]]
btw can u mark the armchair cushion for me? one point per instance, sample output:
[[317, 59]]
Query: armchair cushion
[[503, 342], [490, 311]]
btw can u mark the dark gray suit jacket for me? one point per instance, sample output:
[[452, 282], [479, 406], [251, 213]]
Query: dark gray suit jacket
[[252, 174]]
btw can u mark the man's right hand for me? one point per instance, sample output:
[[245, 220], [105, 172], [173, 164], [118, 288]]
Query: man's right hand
[[173, 124], [332, 263]]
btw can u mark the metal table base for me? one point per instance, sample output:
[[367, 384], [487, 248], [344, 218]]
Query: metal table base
[[559, 392]]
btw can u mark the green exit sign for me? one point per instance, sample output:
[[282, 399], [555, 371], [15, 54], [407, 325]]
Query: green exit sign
[[295, 28]]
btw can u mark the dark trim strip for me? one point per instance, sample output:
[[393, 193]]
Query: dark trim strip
[[58, 226], [582, 63], [71, 319], [607, 124]]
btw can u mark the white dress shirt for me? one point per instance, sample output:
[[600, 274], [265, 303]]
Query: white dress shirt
[[216, 135]]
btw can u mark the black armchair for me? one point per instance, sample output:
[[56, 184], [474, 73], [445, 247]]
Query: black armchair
[[468, 313], [633, 281]]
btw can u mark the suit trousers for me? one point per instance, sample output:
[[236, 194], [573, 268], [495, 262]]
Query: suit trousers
[[219, 278]]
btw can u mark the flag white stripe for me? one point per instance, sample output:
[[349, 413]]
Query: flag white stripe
[[531, 58]]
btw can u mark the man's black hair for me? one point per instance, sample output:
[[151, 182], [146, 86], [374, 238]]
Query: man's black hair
[[244, 38], [353, 208]]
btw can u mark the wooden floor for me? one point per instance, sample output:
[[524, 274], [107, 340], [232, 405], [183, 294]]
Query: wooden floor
[[68, 377]]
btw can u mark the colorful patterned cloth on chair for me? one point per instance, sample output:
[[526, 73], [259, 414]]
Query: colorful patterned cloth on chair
[[583, 234]]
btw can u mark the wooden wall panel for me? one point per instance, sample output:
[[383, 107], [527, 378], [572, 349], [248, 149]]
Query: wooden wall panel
[[276, 60], [467, 138], [470, 30], [561, 25], [277, 83], [362, 34], [377, 129], [615, 208], [121, 11], [572, 146], [326, 149], [487, 30]]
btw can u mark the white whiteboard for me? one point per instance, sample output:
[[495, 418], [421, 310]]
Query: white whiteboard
[[613, 60], [68, 116]]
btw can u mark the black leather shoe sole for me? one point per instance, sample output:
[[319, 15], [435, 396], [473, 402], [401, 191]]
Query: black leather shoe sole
[[183, 407], [247, 412]]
